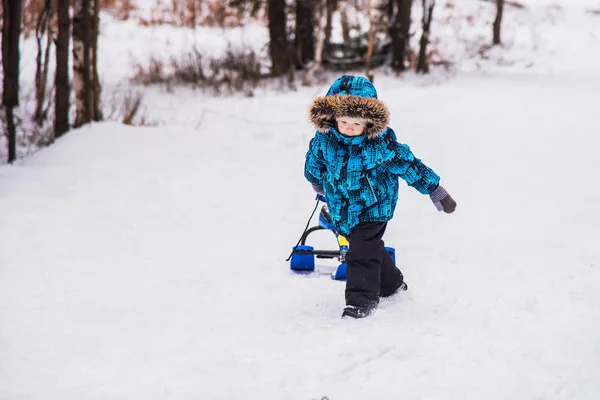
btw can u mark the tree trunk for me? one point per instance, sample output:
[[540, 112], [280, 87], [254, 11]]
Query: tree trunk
[[61, 79], [320, 44], [422, 64], [97, 105], [331, 7], [304, 41], [498, 22], [87, 76], [278, 44], [345, 22], [80, 75], [85, 80], [44, 27], [11, 31], [369, 56], [400, 13]]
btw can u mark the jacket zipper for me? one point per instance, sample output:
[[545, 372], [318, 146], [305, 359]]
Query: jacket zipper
[[372, 189]]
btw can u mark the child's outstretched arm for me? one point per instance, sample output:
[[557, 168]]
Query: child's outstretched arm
[[401, 161], [314, 166]]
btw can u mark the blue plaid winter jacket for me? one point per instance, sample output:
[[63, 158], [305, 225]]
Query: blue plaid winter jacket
[[359, 175]]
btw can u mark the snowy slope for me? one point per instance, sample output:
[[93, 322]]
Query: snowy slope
[[148, 263]]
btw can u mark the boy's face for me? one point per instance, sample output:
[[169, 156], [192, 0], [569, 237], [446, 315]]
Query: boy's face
[[350, 126]]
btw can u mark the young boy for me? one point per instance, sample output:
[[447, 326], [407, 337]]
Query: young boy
[[355, 161]]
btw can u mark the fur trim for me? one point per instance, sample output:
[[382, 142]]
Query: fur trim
[[324, 110]]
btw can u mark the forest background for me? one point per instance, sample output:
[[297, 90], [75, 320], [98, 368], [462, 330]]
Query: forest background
[[57, 74]]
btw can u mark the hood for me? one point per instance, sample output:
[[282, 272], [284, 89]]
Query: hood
[[351, 96]]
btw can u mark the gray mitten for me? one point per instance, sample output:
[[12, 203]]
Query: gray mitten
[[442, 200], [319, 189]]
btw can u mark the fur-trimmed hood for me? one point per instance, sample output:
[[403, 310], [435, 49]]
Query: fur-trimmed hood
[[350, 96]]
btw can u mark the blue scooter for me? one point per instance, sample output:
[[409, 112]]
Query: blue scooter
[[302, 258]]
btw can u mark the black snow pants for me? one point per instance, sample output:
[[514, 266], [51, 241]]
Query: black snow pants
[[371, 272]]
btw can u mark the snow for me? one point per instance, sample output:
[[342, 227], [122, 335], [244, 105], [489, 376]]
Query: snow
[[149, 262]]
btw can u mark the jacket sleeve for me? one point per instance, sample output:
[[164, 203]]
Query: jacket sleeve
[[400, 161], [314, 166]]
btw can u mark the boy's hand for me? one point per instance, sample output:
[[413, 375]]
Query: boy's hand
[[442, 200], [319, 189]]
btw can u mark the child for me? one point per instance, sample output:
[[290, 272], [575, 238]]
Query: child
[[354, 160]]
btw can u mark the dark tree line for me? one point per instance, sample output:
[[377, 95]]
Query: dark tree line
[[498, 22], [11, 32], [82, 31], [400, 12], [61, 79], [428, 6], [304, 38], [306, 46], [313, 20], [278, 45]]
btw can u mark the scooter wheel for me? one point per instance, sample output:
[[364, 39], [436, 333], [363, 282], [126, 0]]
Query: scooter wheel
[[303, 259], [340, 273], [392, 252]]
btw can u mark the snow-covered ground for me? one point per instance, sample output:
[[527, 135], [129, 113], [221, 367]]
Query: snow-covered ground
[[149, 263]]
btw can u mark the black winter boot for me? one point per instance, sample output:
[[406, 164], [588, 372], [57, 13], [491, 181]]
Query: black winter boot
[[402, 288], [392, 279], [357, 312]]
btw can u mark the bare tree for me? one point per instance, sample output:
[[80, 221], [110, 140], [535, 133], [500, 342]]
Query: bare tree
[[304, 40], [96, 105], [322, 26], [345, 21], [45, 27], [278, 44], [332, 6], [81, 62], [422, 64], [399, 16], [61, 78], [85, 80], [498, 22], [11, 31], [368, 71]]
